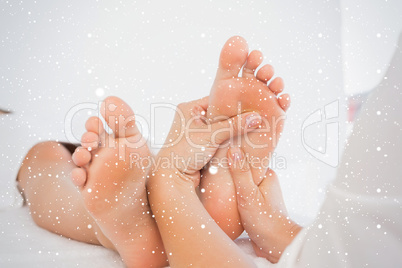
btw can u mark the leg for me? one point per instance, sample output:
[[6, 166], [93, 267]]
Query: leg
[[190, 235], [54, 202]]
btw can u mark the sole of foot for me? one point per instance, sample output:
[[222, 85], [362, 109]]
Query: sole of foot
[[233, 94], [112, 184]]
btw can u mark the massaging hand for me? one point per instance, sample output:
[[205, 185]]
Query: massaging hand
[[190, 236], [262, 209], [193, 140]]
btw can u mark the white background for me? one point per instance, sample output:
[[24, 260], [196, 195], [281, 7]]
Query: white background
[[54, 55]]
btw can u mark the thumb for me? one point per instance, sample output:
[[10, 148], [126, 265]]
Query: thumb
[[246, 190], [234, 126]]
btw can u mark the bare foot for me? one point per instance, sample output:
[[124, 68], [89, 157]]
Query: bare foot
[[112, 184], [232, 94]]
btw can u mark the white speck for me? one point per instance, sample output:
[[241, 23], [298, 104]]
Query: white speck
[[100, 92], [203, 71], [203, 113], [378, 226], [202, 226], [213, 170], [203, 149], [89, 190], [378, 190], [378, 148], [319, 226], [378, 35], [320, 71], [378, 112], [378, 71], [89, 35], [89, 71], [202, 190], [202, 35], [320, 35], [89, 226]]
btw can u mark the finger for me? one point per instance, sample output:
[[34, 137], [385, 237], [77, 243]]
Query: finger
[[269, 182], [203, 102], [246, 189], [194, 109], [271, 190], [234, 126]]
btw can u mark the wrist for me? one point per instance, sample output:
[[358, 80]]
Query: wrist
[[276, 238], [162, 180]]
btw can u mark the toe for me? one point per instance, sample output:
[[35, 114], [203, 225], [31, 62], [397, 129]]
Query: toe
[[78, 176], [94, 124], [284, 101], [265, 73], [253, 61], [233, 56], [277, 85], [119, 117], [90, 140], [81, 156]]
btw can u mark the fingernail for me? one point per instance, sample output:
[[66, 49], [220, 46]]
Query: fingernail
[[236, 153], [253, 120]]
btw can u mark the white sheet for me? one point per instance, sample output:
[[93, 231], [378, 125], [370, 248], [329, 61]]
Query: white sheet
[[24, 244]]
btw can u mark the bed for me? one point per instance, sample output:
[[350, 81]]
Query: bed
[[24, 244]]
